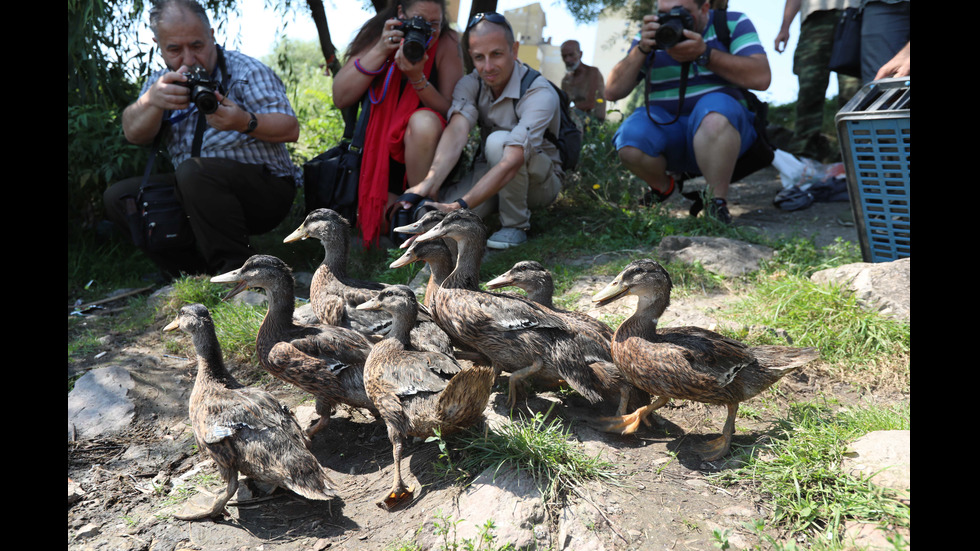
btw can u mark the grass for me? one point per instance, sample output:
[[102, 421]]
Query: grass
[[536, 446], [799, 470], [859, 344]]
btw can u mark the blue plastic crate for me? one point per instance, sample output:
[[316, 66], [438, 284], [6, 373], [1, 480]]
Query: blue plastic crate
[[876, 143]]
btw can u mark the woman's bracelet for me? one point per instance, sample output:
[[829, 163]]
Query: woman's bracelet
[[363, 71], [420, 88]]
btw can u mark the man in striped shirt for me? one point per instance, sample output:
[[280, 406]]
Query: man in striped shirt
[[698, 124]]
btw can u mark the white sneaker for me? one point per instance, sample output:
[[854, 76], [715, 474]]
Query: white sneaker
[[506, 238]]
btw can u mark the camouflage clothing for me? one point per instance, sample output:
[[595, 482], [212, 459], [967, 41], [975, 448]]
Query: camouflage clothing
[[810, 65]]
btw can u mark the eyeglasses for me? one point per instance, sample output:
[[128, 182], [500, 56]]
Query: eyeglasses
[[490, 16]]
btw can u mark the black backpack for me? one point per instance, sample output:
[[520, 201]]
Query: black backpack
[[569, 138]]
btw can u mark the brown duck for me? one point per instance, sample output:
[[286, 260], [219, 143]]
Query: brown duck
[[418, 392], [324, 360], [517, 335], [687, 363], [243, 429]]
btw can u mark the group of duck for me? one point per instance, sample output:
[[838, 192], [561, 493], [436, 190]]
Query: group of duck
[[422, 367]]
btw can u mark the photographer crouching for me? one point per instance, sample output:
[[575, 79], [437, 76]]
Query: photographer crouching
[[696, 118], [224, 118]]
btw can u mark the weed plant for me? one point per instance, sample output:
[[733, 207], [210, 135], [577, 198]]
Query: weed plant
[[536, 446], [799, 469]]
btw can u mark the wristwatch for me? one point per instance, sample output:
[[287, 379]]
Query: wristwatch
[[252, 124], [704, 58]]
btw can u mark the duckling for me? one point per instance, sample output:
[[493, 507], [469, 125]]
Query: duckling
[[416, 391], [243, 429], [330, 281], [687, 362], [326, 361], [517, 335]]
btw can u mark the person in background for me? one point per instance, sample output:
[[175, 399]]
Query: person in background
[[583, 84], [810, 64], [233, 176], [519, 168], [713, 127]]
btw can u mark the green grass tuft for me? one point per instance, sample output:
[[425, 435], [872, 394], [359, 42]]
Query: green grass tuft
[[800, 470]]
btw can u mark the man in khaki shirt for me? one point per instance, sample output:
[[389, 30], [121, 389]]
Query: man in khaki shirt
[[519, 169]]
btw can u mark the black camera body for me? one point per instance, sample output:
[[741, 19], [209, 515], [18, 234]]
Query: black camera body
[[672, 25], [417, 32], [202, 88]]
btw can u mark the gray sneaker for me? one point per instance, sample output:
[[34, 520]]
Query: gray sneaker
[[506, 238]]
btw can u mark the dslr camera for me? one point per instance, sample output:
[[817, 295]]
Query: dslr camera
[[417, 32], [202, 88], [672, 25]]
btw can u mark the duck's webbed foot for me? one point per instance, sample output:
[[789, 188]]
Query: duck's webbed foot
[[719, 447], [197, 508], [398, 495], [628, 424]]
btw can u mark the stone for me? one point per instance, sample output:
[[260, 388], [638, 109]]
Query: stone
[[720, 255], [884, 287]]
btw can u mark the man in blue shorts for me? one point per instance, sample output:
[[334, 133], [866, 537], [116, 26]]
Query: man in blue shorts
[[701, 125]]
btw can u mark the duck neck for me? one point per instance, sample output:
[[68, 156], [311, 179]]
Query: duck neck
[[542, 293], [401, 326], [643, 322], [469, 256], [210, 364], [335, 256], [281, 305]]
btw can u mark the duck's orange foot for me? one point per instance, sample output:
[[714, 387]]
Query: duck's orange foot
[[715, 449], [396, 498], [626, 424]]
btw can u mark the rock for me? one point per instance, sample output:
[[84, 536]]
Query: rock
[[87, 531], [511, 500], [577, 528], [884, 287], [304, 315], [75, 492], [720, 255], [885, 456], [99, 404]]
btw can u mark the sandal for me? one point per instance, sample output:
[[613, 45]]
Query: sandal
[[653, 196]]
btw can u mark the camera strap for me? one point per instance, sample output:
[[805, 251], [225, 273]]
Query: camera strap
[[681, 90], [202, 121]]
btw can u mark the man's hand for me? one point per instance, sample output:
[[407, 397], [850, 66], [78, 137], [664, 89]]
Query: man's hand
[[168, 93], [228, 116], [781, 40], [688, 49], [898, 66]]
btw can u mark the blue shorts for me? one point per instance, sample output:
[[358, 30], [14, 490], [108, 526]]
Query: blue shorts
[[675, 141]]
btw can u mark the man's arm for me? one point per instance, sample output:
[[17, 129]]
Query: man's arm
[[142, 119], [750, 71], [898, 66], [272, 127], [622, 79], [789, 13]]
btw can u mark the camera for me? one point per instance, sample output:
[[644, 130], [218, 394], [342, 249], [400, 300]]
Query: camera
[[672, 25], [417, 32], [202, 88]]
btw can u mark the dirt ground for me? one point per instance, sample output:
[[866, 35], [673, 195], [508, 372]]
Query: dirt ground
[[664, 500]]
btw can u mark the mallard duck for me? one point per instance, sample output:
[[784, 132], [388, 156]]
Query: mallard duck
[[517, 335], [535, 280], [331, 280], [687, 362], [325, 360], [243, 429], [416, 391]]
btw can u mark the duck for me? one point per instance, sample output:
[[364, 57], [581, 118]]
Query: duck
[[535, 280], [516, 334], [325, 360], [418, 392], [330, 280], [244, 430], [334, 296], [688, 363]]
